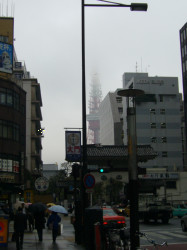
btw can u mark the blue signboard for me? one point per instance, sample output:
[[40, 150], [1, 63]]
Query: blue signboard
[[6, 58], [73, 146]]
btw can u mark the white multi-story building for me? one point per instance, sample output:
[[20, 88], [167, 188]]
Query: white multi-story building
[[111, 120], [158, 118]]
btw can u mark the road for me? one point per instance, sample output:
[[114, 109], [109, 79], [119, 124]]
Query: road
[[171, 232]]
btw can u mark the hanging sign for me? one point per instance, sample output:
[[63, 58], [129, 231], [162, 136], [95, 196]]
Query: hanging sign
[[73, 146]]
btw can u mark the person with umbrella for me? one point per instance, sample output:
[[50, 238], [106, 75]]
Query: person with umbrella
[[53, 221], [38, 210]]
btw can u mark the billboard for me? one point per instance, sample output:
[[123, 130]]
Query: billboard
[[6, 58], [73, 146]]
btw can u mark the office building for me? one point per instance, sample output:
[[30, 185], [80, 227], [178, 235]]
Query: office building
[[20, 117], [183, 48], [158, 118]]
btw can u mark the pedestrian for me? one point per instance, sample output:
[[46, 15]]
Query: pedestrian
[[53, 223], [39, 219], [20, 224], [30, 219]]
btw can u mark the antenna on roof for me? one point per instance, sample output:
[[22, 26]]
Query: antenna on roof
[[7, 9], [136, 67]]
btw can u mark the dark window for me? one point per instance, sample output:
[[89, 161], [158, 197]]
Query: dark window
[[164, 139], [164, 154], [171, 184], [120, 110], [153, 125], [9, 130], [162, 111], [152, 111], [153, 139], [163, 125]]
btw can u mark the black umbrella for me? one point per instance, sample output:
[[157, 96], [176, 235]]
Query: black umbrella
[[37, 208]]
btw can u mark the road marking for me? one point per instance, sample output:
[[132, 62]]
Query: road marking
[[175, 235], [159, 235]]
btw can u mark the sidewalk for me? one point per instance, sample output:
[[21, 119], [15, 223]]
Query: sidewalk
[[65, 241]]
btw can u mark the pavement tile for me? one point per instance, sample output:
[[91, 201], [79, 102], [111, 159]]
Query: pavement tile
[[64, 241]]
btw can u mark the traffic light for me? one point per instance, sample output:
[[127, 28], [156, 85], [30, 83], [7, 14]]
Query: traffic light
[[75, 170], [104, 170]]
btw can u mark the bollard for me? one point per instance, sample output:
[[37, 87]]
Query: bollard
[[97, 236]]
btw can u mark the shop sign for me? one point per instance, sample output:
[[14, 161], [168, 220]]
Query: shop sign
[[7, 178], [73, 146]]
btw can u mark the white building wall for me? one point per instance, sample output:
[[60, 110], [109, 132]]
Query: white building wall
[[167, 98]]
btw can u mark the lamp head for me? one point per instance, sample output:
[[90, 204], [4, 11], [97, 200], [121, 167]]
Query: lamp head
[[138, 6]]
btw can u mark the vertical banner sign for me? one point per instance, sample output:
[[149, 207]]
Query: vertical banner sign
[[3, 231], [6, 57], [73, 146]]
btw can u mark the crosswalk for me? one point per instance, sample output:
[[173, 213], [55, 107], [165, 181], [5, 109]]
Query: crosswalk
[[160, 236]]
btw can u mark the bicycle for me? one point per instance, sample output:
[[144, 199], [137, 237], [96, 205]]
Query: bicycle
[[117, 239], [153, 242]]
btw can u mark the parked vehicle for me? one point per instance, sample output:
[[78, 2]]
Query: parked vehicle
[[184, 223], [179, 210]]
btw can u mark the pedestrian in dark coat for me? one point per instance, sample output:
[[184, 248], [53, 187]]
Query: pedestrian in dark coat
[[20, 224], [54, 220], [39, 219]]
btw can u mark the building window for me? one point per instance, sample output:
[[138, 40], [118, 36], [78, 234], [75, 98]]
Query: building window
[[152, 111], [4, 39], [181, 37], [153, 125], [163, 125], [9, 98], [164, 154], [9, 130], [119, 99], [120, 110], [161, 98], [171, 184], [164, 139], [162, 111], [153, 139]]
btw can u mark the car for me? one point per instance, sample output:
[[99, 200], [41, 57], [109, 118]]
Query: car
[[179, 210], [112, 219], [184, 223], [122, 210]]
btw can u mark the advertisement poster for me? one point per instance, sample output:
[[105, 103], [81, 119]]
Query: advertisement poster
[[73, 146], [6, 58]]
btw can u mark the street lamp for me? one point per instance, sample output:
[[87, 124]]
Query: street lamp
[[132, 162], [133, 7]]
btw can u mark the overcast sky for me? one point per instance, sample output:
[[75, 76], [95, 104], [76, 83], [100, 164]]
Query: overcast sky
[[48, 39]]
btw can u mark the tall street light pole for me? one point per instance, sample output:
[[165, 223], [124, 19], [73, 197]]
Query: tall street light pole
[[132, 163], [133, 7]]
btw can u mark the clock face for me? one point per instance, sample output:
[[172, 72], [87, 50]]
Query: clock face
[[73, 139], [41, 184]]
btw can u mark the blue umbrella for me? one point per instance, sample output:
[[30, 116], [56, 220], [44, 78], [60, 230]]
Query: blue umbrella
[[58, 209]]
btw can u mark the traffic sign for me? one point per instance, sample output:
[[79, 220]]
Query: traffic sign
[[89, 181]]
